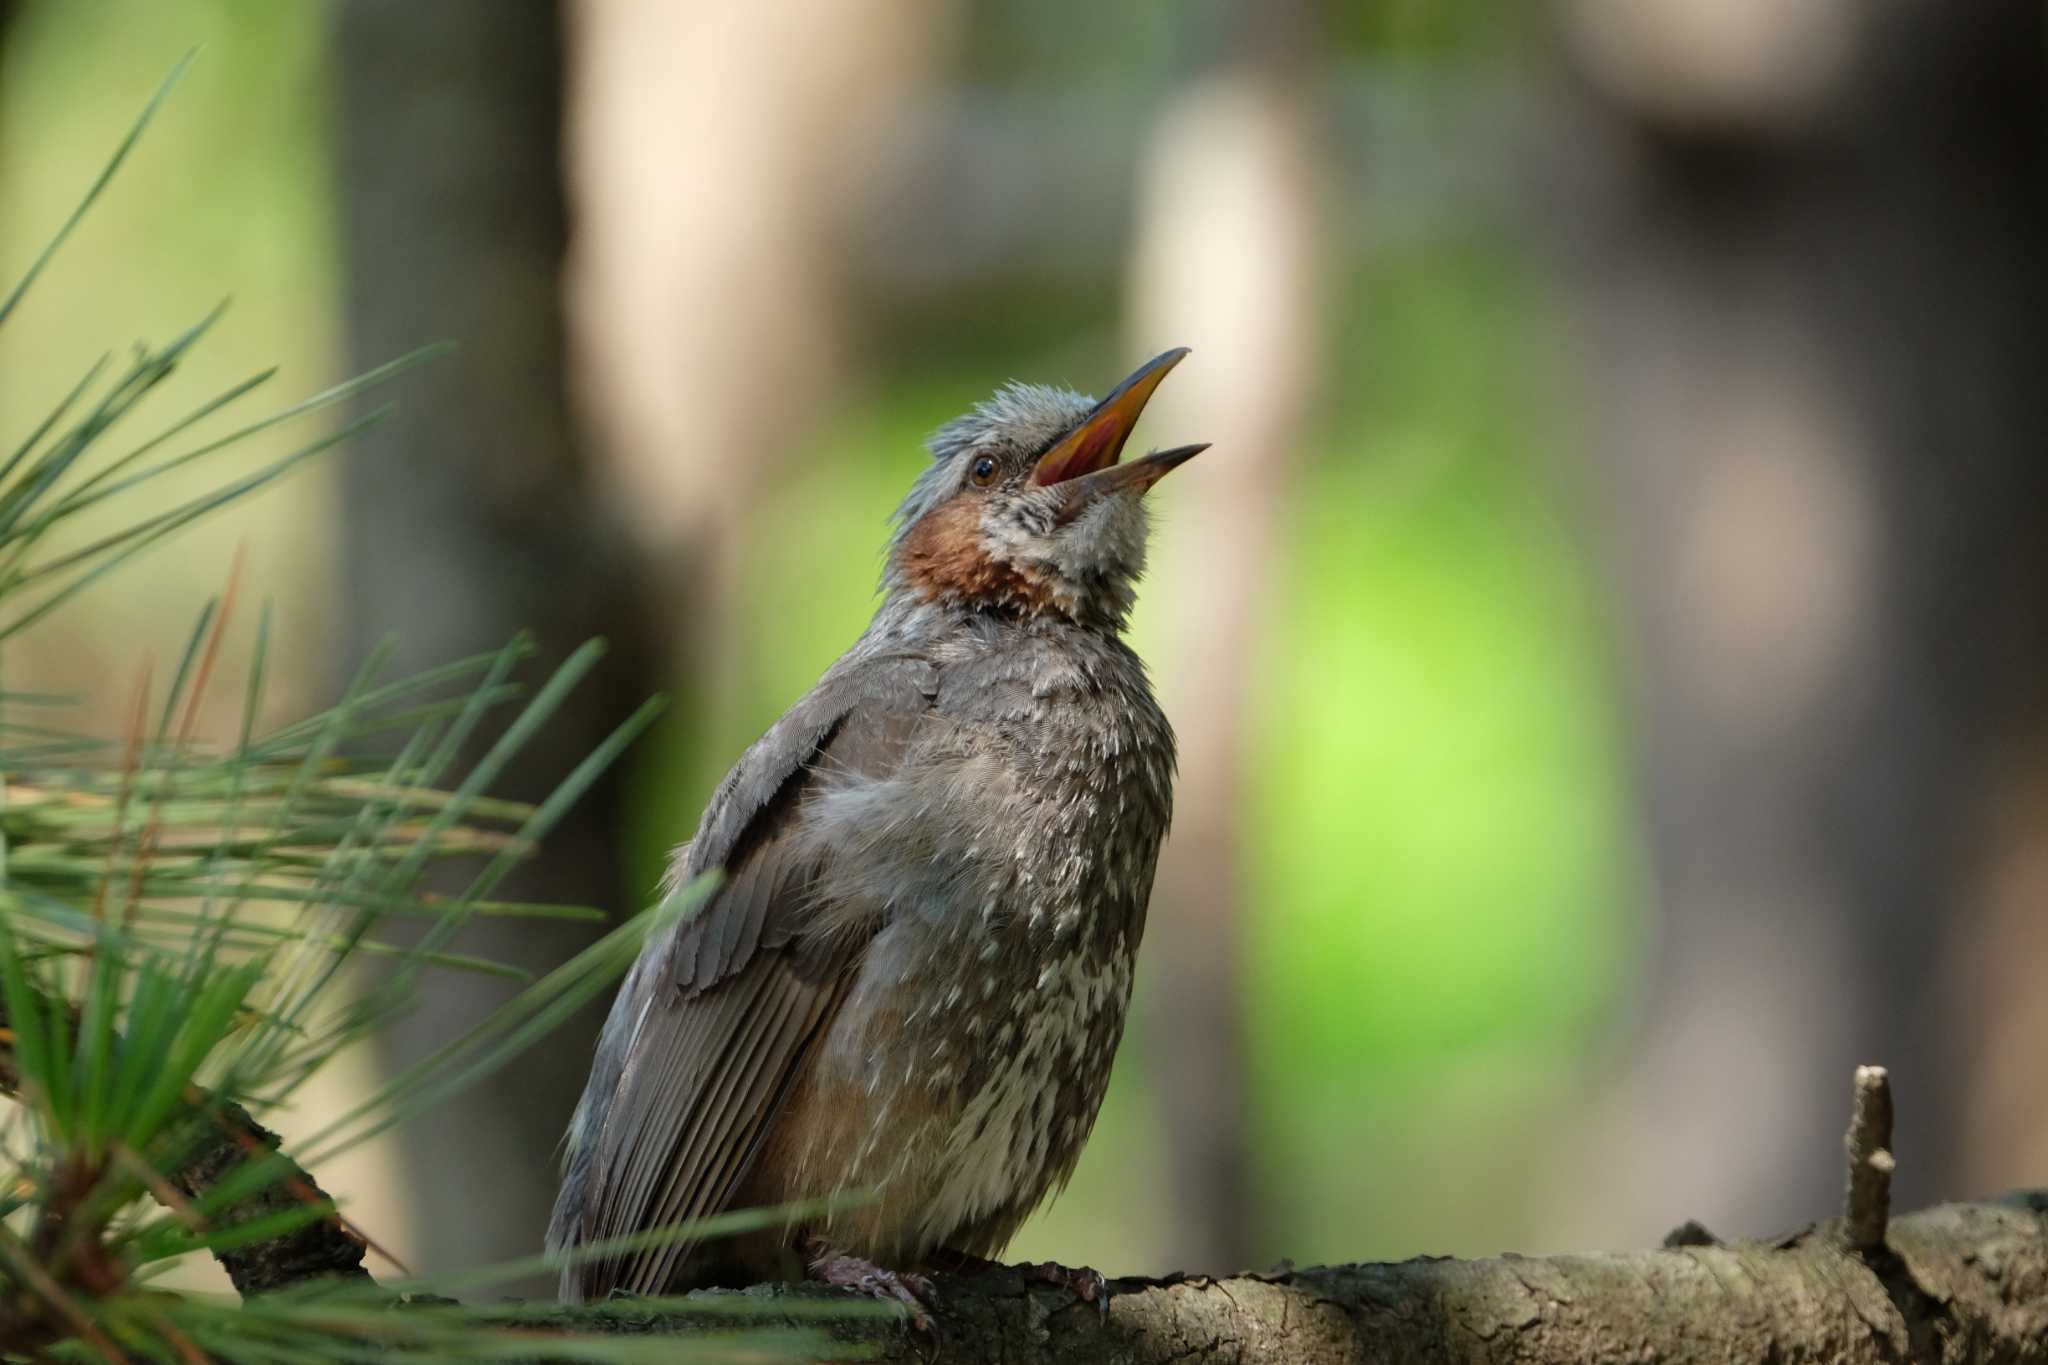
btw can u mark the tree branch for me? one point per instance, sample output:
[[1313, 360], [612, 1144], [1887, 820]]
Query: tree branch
[[1971, 1286], [326, 1247], [1958, 1284], [233, 1138]]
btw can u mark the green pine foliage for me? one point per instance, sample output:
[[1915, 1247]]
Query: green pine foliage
[[183, 927]]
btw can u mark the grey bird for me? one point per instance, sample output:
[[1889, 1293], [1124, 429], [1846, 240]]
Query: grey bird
[[911, 982]]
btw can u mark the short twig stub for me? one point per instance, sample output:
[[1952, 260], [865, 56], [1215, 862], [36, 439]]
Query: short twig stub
[[1868, 1203]]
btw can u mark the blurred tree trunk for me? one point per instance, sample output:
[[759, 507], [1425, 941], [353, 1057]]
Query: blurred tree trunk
[[1232, 176], [715, 155], [1806, 245], [10, 17], [473, 516]]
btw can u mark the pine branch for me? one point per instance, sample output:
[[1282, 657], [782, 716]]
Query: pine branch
[[233, 1143]]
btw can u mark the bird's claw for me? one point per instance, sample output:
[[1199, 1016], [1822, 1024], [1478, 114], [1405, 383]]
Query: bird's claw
[[1084, 1282], [890, 1286]]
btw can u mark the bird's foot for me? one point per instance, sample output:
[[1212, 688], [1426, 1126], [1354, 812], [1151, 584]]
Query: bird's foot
[[1082, 1282], [852, 1272]]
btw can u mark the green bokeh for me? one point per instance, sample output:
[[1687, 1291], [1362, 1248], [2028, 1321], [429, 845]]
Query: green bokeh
[[1441, 841]]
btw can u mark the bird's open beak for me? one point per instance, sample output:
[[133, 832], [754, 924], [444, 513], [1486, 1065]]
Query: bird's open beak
[[1139, 475], [1084, 463]]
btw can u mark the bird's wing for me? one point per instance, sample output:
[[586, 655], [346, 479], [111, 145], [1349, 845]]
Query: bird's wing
[[742, 992]]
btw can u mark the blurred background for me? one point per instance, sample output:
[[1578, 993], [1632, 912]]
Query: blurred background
[[1609, 641]]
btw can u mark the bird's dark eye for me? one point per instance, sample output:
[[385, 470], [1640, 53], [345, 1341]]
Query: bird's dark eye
[[983, 473]]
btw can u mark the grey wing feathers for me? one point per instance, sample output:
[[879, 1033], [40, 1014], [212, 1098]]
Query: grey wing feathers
[[710, 1074], [715, 1021]]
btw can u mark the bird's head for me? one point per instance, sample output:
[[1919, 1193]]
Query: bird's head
[[1025, 509]]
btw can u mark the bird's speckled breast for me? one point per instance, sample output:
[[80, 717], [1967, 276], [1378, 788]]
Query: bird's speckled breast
[[966, 1068]]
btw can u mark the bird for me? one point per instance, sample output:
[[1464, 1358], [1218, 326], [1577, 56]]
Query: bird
[[901, 1003]]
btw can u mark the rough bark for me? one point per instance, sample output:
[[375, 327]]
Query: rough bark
[[1954, 1284], [327, 1249]]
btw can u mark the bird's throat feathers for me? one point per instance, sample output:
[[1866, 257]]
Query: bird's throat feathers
[[957, 555], [945, 556]]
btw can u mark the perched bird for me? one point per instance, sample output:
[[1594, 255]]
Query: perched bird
[[912, 979]]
